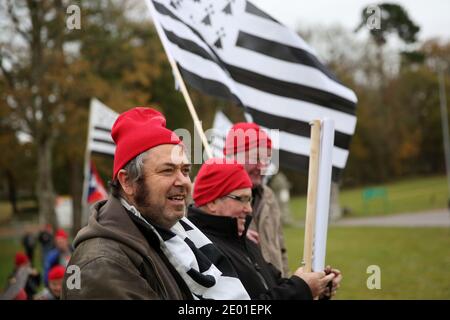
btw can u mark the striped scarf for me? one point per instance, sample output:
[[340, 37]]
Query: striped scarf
[[206, 271]]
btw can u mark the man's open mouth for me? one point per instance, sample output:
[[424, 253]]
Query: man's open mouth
[[177, 197]]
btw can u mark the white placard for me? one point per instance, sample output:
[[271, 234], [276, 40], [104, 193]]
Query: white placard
[[323, 194]]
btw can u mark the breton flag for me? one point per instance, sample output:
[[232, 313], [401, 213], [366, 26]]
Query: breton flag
[[233, 50], [101, 120], [97, 191]]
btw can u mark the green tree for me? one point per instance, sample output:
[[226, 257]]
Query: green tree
[[33, 68]]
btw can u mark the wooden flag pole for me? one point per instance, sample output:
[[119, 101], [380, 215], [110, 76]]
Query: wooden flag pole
[[311, 202], [179, 79], [190, 105]]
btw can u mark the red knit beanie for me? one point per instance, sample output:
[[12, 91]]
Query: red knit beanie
[[244, 136], [217, 178], [57, 272], [21, 259], [136, 131], [60, 233], [22, 295]]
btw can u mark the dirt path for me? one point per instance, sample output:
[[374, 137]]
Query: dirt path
[[433, 218]]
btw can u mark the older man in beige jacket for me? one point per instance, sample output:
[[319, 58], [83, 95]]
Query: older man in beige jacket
[[250, 146]]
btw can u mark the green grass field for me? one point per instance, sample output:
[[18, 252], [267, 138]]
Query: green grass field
[[8, 249], [405, 196], [414, 262]]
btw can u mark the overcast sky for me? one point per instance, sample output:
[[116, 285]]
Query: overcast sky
[[431, 15]]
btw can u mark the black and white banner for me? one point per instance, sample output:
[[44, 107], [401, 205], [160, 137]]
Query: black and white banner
[[232, 49], [101, 120]]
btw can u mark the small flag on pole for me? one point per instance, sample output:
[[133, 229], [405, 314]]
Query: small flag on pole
[[97, 191], [101, 121]]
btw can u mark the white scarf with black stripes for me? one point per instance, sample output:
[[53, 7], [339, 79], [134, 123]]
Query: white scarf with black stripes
[[206, 271]]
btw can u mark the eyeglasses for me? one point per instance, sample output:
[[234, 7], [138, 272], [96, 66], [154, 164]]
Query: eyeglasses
[[253, 158], [241, 199]]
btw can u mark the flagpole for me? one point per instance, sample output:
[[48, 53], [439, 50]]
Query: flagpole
[[311, 202], [87, 159], [179, 79]]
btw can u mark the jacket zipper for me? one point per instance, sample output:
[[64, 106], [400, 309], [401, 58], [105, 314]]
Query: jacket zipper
[[257, 268], [255, 265]]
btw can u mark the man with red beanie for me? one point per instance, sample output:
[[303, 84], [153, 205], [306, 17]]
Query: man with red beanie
[[222, 196], [138, 244], [55, 280], [250, 146]]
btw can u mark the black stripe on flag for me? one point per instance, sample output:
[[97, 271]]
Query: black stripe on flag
[[268, 84], [208, 86], [108, 130], [281, 51], [164, 11], [296, 161], [192, 47], [297, 127], [291, 90], [251, 8], [104, 141]]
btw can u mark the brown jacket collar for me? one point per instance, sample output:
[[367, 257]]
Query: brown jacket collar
[[110, 220]]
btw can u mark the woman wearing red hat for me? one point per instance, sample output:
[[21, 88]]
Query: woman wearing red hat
[[223, 196]]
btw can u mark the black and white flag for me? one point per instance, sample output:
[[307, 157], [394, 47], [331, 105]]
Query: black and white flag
[[233, 50], [101, 120]]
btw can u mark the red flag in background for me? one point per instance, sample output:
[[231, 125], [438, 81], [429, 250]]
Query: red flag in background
[[97, 189]]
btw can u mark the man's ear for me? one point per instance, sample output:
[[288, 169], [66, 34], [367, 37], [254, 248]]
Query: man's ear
[[212, 206], [125, 182]]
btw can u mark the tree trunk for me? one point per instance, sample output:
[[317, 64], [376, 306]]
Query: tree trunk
[[45, 191], [76, 191], [12, 190]]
